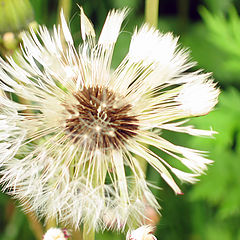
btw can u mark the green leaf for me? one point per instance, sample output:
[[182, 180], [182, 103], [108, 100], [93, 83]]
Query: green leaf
[[220, 187]]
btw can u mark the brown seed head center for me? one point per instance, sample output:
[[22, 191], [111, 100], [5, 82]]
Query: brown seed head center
[[100, 119]]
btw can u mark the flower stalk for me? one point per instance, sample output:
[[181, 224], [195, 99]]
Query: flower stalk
[[88, 233], [151, 12], [51, 223], [151, 17], [65, 5], [35, 225]]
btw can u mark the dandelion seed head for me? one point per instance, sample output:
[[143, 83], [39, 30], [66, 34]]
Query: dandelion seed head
[[64, 152]]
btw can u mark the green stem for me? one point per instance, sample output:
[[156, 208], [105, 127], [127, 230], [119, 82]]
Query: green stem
[[65, 5], [151, 12], [88, 233], [35, 225], [151, 17], [76, 235], [51, 223]]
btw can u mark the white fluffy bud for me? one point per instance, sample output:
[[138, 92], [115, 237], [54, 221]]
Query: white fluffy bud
[[141, 233], [55, 234]]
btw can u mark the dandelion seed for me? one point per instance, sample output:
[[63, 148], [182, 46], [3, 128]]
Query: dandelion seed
[[65, 152]]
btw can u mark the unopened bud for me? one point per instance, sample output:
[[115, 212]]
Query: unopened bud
[[56, 234], [9, 41], [141, 233]]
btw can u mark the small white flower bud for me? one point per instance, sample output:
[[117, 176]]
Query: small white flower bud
[[141, 233], [55, 234]]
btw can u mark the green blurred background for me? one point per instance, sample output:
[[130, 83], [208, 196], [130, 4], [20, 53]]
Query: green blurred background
[[209, 210]]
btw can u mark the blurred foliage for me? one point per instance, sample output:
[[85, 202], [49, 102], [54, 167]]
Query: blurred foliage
[[215, 44], [220, 186], [15, 15], [217, 6], [224, 33], [210, 210], [13, 222]]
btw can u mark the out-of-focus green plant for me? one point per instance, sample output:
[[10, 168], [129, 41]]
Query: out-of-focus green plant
[[15, 17], [213, 204], [215, 200], [218, 5], [215, 44], [224, 33], [209, 210], [220, 187]]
